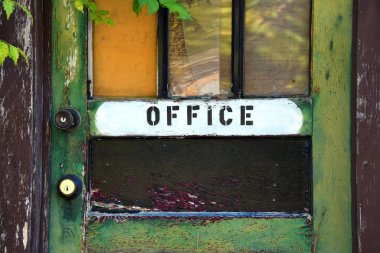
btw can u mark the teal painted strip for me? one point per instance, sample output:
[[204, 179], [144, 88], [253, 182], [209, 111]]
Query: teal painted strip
[[68, 154]]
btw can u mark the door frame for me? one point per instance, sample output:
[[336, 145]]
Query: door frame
[[331, 138], [35, 157]]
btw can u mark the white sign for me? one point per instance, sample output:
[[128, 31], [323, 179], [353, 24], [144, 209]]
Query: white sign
[[237, 117]]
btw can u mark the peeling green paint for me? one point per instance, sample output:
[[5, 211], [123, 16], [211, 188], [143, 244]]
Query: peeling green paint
[[331, 86], [181, 235], [307, 113], [68, 149]]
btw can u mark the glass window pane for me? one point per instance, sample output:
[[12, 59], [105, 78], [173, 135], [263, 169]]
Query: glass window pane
[[125, 55], [213, 175], [200, 49], [277, 47]]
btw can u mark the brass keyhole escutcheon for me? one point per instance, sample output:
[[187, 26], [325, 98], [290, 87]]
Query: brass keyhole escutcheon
[[69, 186]]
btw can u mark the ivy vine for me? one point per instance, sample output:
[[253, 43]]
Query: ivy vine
[[8, 50], [102, 16]]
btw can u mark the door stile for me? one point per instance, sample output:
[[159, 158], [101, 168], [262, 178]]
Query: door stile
[[331, 140], [68, 148]]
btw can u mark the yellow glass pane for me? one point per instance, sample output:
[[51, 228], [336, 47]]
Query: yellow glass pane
[[277, 47], [125, 55]]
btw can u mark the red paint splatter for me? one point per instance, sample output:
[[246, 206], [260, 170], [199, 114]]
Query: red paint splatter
[[167, 199]]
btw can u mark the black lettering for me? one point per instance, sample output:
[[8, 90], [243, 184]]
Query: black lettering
[[222, 119], [191, 114], [156, 115], [245, 115], [209, 115], [171, 115]]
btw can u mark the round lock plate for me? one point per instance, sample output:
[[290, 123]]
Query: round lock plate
[[69, 186], [67, 119]]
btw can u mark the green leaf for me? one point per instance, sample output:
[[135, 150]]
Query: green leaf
[[153, 6], [91, 6], [23, 55], [174, 7], [108, 21], [8, 7], [92, 16], [4, 52], [13, 54], [136, 7], [78, 4], [23, 7], [103, 12], [167, 2], [181, 11]]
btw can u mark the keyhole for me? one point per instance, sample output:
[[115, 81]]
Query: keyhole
[[69, 186]]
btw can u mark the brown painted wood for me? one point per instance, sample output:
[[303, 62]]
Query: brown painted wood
[[24, 135], [367, 127]]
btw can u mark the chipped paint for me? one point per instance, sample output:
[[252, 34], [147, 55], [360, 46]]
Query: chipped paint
[[27, 36], [20, 134], [245, 117], [199, 235], [17, 232], [367, 137], [68, 150], [332, 36], [1, 76], [71, 66], [25, 235], [197, 215], [287, 235]]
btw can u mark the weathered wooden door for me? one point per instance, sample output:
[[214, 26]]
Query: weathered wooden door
[[227, 133]]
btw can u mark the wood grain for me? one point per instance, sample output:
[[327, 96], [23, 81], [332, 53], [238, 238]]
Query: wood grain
[[367, 125], [24, 132]]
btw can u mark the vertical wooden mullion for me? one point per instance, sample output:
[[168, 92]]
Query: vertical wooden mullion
[[163, 53], [331, 93], [237, 59], [68, 154]]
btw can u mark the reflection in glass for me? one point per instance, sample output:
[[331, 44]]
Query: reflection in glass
[[200, 49], [180, 175], [125, 55], [276, 47]]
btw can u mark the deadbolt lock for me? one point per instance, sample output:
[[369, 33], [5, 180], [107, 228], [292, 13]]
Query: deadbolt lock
[[69, 186]]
